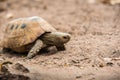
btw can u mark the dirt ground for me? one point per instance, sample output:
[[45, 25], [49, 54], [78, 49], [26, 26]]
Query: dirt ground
[[93, 52]]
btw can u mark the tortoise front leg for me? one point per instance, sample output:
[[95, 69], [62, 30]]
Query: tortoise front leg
[[60, 47], [35, 49]]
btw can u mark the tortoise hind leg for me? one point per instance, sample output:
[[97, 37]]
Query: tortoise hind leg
[[60, 47], [35, 49], [45, 49]]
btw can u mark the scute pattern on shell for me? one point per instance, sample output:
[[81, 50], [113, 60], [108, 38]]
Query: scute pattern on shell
[[23, 31]]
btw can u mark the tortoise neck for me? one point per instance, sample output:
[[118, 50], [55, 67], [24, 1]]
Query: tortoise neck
[[49, 39]]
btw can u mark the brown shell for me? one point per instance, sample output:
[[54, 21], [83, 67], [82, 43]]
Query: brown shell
[[23, 31]]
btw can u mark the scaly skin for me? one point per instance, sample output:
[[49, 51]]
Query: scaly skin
[[35, 49], [57, 39]]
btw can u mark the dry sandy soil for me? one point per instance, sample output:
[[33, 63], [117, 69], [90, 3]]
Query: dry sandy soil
[[93, 52]]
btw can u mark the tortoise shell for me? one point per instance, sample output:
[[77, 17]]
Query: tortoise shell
[[23, 31]]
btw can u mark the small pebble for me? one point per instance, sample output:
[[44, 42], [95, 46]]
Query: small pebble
[[101, 65], [9, 15], [118, 64], [78, 76], [109, 64], [20, 67], [107, 59], [75, 61]]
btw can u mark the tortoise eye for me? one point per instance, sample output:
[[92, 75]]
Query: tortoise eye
[[65, 37]]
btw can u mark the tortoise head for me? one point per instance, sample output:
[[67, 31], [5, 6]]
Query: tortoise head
[[55, 38]]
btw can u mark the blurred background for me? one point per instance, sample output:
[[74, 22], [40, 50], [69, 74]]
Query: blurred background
[[93, 52]]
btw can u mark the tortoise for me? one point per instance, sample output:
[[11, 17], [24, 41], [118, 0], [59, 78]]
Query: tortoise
[[31, 35]]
